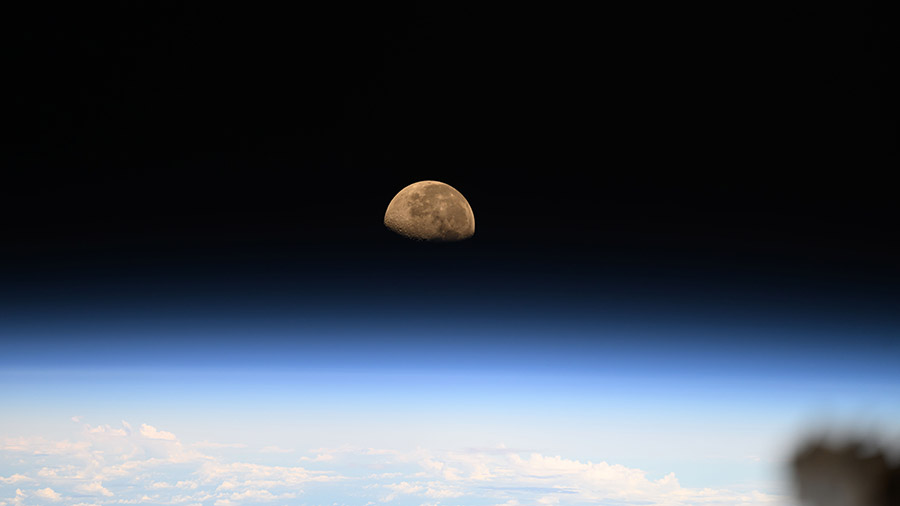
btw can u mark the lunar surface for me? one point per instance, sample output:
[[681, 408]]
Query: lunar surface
[[430, 211]]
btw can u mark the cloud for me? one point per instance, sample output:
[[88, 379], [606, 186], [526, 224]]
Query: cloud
[[42, 446], [262, 475], [401, 488], [556, 480], [149, 465], [322, 457], [260, 495], [16, 478], [433, 490], [151, 432], [48, 493], [93, 488], [106, 429]]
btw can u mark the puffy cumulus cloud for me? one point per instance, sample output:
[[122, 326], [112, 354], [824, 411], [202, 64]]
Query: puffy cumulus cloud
[[151, 432], [48, 494], [16, 478], [106, 429], [401, 488], [19, 498], [105, 453], [93, 488]]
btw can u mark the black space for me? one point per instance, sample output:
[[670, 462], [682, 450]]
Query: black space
[[705, 134]]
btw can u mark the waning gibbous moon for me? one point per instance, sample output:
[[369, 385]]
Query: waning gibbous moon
[[430, 211]]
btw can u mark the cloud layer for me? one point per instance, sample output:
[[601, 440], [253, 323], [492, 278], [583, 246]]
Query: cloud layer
[[105, 465]]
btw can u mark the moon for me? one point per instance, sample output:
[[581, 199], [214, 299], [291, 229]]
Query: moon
[[430, 211]]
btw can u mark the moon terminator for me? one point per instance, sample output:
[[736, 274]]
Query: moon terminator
[[430, 211]]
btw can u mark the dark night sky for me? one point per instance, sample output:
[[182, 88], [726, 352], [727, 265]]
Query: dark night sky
[[717, 143]]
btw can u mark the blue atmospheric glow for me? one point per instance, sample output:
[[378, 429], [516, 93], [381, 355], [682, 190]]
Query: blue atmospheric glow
[[480, 406]]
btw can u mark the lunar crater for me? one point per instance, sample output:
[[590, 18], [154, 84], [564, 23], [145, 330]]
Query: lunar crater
[[430, 211]]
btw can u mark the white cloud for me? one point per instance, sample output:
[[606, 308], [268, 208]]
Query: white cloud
[[556, 480], [93, 488], [322, 457], [16, 478], [260, 495], [401, 488], [434, 490], [106, 429], [441, 491], [128, 465], [152, 432], [48, 493], [42, 446], [143, 499], [262, 475], [67, 472]]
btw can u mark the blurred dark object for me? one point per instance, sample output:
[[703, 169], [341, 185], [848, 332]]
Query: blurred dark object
[[852, 474]]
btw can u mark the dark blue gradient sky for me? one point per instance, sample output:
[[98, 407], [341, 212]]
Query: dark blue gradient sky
[[457, 308]]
